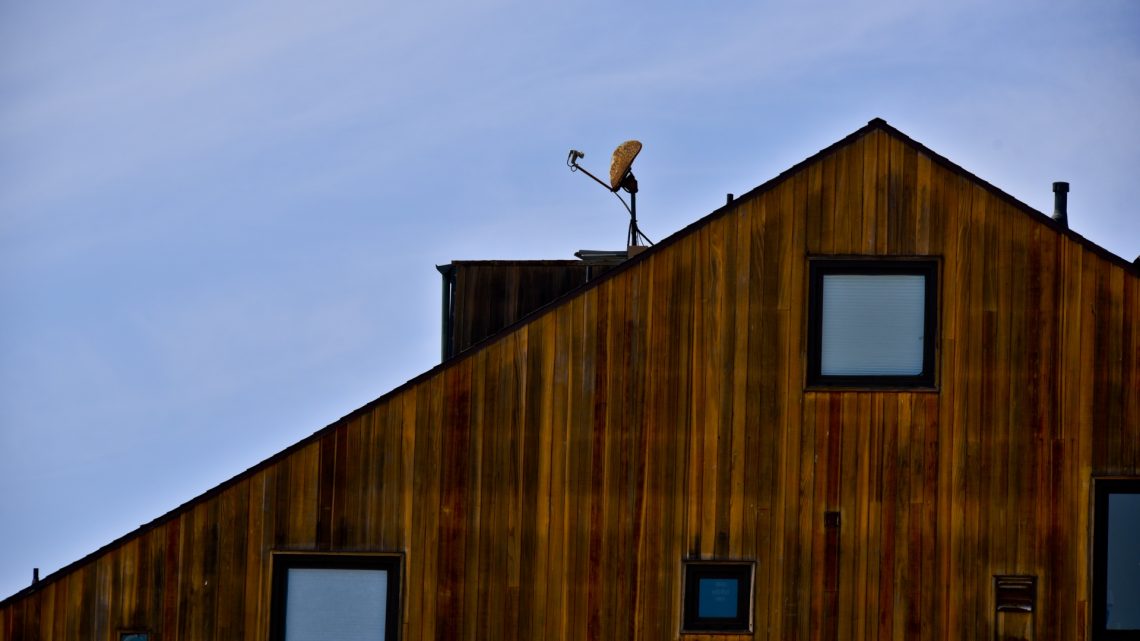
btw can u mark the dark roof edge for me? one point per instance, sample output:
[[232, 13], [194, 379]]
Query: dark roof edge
[[875, 123], [184, 507], [1040, 217], [552, 261]]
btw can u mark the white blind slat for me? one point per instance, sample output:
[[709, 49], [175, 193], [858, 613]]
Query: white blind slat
[[346, 605], [872, 324]]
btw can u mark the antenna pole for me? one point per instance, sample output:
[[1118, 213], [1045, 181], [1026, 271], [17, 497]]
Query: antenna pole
[[633, 241], [629, 184]]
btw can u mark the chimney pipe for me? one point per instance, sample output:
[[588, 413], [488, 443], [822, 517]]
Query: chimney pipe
[[1061, 203], [35, 576]]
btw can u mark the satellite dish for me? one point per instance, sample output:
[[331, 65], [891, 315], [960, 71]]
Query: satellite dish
[[620, 178], [622, 160]]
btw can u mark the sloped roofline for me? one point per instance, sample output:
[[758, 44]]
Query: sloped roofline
[[882, 125], [555, 262], [873, 125], [1040, 217]]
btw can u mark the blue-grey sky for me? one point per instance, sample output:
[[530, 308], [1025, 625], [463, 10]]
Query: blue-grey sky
[[219, 220]]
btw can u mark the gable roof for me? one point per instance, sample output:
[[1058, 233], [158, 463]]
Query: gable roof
[[876, 124]]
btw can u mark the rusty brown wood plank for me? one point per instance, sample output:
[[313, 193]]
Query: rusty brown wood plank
[[1008, 399], [598, 346], [858, 518], [792, 305], [924, 194], [538, 432], [514, 346], [580, 427], [258, 543], [326, 462], [454, 458], [813, 484], [647, 576], [1130, 311], [557, 594], [819, 224], [404, 414], [232, 531], [619, 470], [424, 563], [634, 451], [388, 434], [1087, 417], [718, 388], [833, 181], [124, 587], [849, 196], [870, 192], [338, 522], [887, 492], [843, 408], [675, 333], [698, 533], [930, 578], [741, 546], [61, 611], [473, 371], [882, 193]]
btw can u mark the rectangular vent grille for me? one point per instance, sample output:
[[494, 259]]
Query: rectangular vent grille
[[1015, 592]]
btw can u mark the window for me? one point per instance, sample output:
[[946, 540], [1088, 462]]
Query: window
[[871, 323], [1116, 559], [335, 596], [717, 597], [134, 636]]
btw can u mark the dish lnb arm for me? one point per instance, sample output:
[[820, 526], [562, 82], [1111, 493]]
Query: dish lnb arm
[[572, 162]]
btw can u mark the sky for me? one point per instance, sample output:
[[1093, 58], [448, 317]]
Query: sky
[[219, 221]]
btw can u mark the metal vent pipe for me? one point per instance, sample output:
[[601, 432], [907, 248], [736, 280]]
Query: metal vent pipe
[[1061, 203]]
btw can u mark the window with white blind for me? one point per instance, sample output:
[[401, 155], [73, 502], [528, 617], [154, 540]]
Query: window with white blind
[[872, 323], [335, 596]]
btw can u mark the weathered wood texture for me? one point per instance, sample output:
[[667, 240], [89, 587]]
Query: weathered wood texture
[[548, 484], [492, 294]]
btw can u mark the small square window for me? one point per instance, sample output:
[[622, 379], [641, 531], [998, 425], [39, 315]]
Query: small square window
[[871, 323], [718, 597], [1116, 557], [335, 596]]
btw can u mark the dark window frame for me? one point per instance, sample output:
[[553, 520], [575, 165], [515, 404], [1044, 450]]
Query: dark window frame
[[695, 570], [918, 266], [285, 561], [1102, 488]]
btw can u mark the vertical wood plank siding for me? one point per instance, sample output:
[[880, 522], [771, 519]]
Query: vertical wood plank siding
[[489, 295], [548, 484]]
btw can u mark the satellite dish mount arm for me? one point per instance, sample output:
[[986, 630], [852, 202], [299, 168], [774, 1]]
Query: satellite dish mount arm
[[572, 163]]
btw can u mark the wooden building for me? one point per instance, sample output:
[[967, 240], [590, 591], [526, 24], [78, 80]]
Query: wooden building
[[874, 398]]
